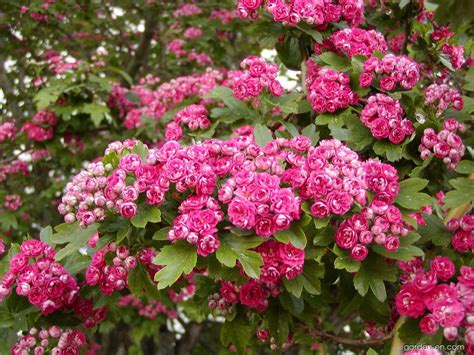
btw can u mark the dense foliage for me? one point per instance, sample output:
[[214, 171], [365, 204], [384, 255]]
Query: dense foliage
[[236, 176]]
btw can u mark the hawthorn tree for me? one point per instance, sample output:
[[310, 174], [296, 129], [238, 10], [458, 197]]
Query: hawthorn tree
[[244, 176]]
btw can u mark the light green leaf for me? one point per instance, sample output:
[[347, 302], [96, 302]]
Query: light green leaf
[[465, 167], [295, 236], [234, 248], [262, 134], [409, 197], [237, 332], [463, 193], [97, 112], [146, 213], [178, 259]]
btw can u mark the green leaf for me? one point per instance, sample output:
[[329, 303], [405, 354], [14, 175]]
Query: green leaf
[[161, 234], [311, 277], [262, 134], [406, 251], [45, 97], [289, 52], [417, 171], [140, 149], [72, 235], [96, 111], [372, 274], [344, 261], [294, 286], [434, 231], [8, 220], [146, 213], [465, 167], [310, 132], [178, 259], [237, 332], [403, 3], [140, 283], [463, 193], [393, 152], [356, 135], [219, 93], [276, 319], [234, 248], [409, 197], [295, 236], [334, 61]]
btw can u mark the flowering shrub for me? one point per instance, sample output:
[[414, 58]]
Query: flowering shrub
[[168, 185]]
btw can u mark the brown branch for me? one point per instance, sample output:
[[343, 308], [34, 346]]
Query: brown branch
[[141, 54], [348, 341]]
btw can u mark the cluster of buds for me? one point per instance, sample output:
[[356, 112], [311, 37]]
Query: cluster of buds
[[442, 96], [394, 70], [258, 74], [113, 277], [445, 144], [384, 116], [463, 237], [53, 340], [45, 282]]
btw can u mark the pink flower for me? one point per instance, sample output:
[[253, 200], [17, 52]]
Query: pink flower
[[428, 324], [291, 256], [359, 252], [409, 302], [443, 267], [242, 213], [128, 209], [346, 237], [253, 296]]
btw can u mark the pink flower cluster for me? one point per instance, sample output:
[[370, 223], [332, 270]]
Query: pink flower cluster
[[396, 43], [197, 220], [383, 115], [187, 10], [192, 33], [45, 282], [15, 167], [328, 90], [442, 96], [40, 128], [428, 294], [12, 202], [445, 144], [252, 294], [112, 277], [84, 199], [381, 223], [201, 59], [250, 179], [258, 74], [256, 201], [463, 229], [154, 103], [280, 260], [223, 15], [176, 47], [149, 310], [313, 12], [90, 315], [193, 116], [455, 53], [393, 70], [7, 130], [356, 41], [53, 340]]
